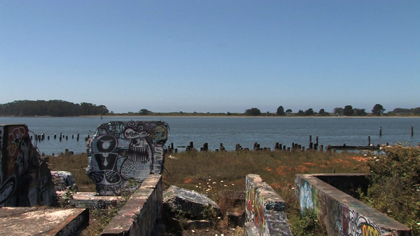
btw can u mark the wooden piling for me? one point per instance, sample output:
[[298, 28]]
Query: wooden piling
[[310, 141], [368, 140], [380, 131], [412, 131], [222, 148]]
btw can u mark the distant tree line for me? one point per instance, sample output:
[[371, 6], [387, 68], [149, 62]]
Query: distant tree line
[[50, 108], [348, 110]]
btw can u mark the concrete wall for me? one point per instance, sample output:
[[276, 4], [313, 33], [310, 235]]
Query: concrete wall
[[339, 212], [121, 151], [265, 209], [25, 180], [141, 212]]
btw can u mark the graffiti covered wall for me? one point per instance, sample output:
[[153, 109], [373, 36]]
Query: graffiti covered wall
[[25, 179], [264, 208], [122, 151], [341, 213]]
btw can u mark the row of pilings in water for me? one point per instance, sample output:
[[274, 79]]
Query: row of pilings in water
[[313, 146], [60, 137], [257, 147]]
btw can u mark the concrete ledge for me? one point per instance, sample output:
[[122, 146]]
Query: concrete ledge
[[92, 200], [265, 209], [141, 212], [341, 213], [42, 221]]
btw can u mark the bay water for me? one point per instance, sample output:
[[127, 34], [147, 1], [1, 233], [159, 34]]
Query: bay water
[[232, 130]]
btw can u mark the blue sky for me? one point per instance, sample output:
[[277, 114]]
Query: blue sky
[[212, 56]]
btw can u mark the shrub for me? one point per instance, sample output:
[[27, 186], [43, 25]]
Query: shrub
[[395, 185]]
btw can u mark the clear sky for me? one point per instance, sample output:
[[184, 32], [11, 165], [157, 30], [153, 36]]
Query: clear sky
[[212, 55]]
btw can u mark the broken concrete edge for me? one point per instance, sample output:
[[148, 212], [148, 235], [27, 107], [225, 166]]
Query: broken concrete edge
[[42, 221], [73, 225], [91, 200], [265, 209], [140, 213], [313, 193]]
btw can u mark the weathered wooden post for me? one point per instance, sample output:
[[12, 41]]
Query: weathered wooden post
[[310, 141], [380, 131], [368, 140], [412, 131]]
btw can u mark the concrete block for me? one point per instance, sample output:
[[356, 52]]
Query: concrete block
[[42, 221], [341, 213]]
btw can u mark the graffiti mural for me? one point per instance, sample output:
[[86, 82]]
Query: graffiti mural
[[266, 213], [25, 179], [350, 222], [306, 197], [122, 151]]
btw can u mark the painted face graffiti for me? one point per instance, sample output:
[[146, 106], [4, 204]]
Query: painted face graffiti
[[139, 149], [121, 151]]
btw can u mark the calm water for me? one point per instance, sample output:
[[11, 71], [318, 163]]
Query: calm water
[[233, 130]]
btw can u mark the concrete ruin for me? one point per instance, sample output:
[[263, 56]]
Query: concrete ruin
[[25, 179], [265, 209], [42, 221], [338, 211], [123, 151]]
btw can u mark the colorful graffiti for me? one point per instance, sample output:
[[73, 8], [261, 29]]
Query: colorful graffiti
[[122, 151], [306, 198], [350, 222], [25, 179], [63, 180], [266, 213]]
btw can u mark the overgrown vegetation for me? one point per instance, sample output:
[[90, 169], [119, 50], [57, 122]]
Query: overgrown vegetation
[[212, 172], [395, 188], [76, 164]]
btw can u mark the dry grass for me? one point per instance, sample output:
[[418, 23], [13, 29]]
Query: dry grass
[[210, 172], [213, 172], [76, 164]]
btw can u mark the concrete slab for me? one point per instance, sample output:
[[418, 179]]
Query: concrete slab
[[92, 200], [42, 221]]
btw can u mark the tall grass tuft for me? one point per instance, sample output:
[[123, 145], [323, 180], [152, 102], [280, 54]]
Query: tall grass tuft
[[76, 164]]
